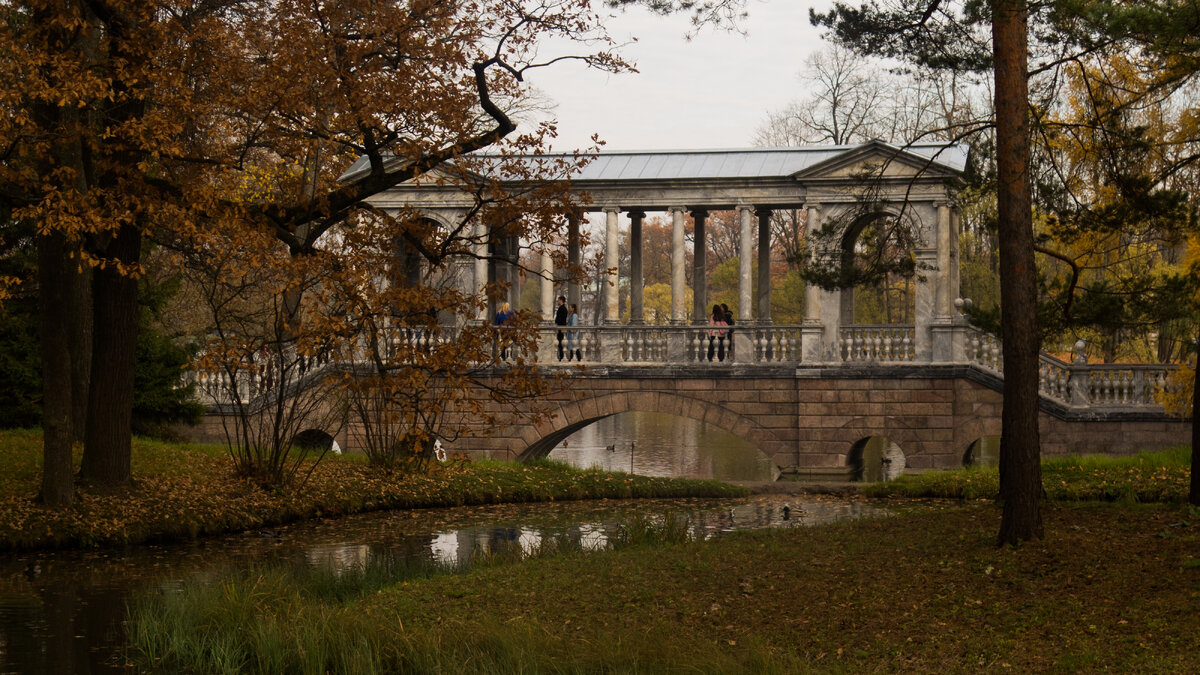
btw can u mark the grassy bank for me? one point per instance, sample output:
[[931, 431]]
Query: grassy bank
[[184, 491], [1147, 477], [1113, 588]]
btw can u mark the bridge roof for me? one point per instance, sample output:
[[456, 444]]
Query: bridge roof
[[743, 163], [655, 165]]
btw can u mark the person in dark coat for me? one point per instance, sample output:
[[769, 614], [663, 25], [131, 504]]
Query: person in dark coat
[[728, 321], [716, 334], [560, 319]]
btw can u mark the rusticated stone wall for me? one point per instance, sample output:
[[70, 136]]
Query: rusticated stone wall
[[808, 418]]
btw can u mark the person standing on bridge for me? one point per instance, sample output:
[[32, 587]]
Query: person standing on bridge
[[573, 335], [560, 319], [716, 335], [504, 317], [729, 322]]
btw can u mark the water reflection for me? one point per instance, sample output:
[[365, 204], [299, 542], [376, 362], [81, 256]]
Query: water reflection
[[658, 444], [64, 612]]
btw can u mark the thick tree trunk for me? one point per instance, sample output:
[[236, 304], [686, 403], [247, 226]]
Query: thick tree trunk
[[1020, 445], [81, 350], [54, 271], [106, 452], [1194, 492]]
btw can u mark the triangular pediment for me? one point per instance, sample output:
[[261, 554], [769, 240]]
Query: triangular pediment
[[879, 159]]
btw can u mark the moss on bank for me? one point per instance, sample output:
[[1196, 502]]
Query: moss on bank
[[184, 491]]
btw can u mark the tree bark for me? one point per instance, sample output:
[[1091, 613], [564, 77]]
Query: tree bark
[[54, 270], [81, 349], [106, 454], [1194, 491], [1020, 445]]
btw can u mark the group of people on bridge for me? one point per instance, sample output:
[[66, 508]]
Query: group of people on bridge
[[567, 316], [721, 316]]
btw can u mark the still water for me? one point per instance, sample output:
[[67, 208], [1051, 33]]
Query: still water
[[657, 444], [64, 612]]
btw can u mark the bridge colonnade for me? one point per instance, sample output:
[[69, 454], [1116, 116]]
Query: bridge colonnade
[[935, 336]]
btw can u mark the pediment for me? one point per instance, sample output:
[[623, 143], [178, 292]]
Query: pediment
[[879, 159]]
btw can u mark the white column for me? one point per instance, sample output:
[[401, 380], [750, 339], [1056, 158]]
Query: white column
[[612, 305], [678, 274], [946, 334], [574, 259], [822, 309], [955, 281], [547, 286], [945, 297], [481, 264], [741, 341], [924, 291], [745, 263]]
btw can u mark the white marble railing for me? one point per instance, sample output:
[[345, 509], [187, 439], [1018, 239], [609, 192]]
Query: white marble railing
[[1079, 384], [876, 343], [644, 344], [776, 344], [1054, 378], [983, 349], [1126, 385]]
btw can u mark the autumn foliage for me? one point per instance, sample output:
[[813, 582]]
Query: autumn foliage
[[221, 130]]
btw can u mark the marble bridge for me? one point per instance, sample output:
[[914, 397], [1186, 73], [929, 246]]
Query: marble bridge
[[813, 417], [810, 395]]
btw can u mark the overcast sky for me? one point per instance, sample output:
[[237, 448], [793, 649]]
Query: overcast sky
[[711, 92]]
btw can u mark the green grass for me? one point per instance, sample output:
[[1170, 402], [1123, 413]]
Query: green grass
[[202, 627], [925, 591], [187, 490], [1148, 477]]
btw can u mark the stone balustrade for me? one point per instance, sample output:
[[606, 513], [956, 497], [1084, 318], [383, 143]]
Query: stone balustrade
[[883, 344], [1106, 387]]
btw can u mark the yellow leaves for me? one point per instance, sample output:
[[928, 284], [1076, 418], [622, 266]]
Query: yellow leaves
[[1176, 396]]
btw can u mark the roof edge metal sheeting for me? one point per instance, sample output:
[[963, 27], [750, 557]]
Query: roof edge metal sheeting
[[655, 165]]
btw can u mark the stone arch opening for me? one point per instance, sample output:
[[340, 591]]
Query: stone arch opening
[[315, 441], [875, 459], [877, 256], [983, 451], [571, 417], [662, 444]]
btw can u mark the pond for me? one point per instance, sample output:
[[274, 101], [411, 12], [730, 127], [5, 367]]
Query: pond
[[64, 612]]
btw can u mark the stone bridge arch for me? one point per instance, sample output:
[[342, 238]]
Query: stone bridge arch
[[570, 417]]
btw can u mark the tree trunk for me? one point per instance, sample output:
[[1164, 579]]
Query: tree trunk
[[81, 350], [54, 271], [1020, 446], [106, 452], [1194, 491]]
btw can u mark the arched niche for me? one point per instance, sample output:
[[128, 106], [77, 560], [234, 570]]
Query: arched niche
[[877, 250], [875, 459], [983, 451]]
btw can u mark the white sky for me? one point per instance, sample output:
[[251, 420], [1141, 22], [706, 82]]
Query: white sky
[[711, 92]]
